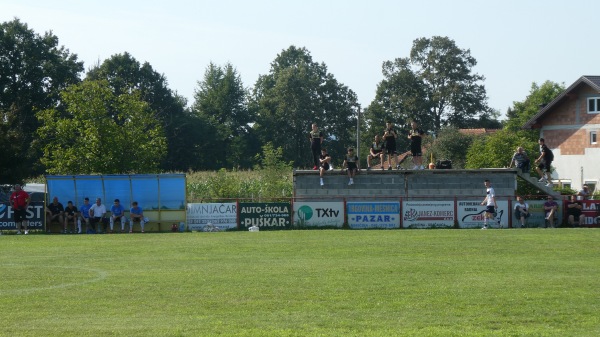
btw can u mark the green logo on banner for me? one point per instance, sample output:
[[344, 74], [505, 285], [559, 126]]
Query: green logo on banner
[[305, 212]]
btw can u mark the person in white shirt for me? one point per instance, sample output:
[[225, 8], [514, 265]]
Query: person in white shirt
[[97, 212], [521, 210], [490, 203]]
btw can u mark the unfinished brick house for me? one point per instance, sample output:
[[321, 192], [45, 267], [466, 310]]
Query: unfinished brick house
[[570, 126]]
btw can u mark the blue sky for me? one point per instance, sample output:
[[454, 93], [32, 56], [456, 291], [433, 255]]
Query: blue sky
[[515, 43]]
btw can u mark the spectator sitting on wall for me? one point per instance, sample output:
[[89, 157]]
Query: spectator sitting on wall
[[376, 151], [521, 160], [324, 164], [351, 162]]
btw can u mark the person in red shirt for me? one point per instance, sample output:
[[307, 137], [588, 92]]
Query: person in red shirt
[[19, 200]]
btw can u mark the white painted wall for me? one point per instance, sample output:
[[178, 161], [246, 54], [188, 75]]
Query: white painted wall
[[570, 167]]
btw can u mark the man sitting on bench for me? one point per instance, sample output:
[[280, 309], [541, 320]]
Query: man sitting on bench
[[97, 212], [117, 213], [137, 215]]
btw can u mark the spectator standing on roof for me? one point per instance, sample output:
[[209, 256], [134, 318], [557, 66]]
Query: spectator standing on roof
[[416, 139], [389, 141], [316, 139], [544, 162]]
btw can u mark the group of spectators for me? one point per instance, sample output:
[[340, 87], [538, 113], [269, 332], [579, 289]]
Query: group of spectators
[[544, 161], [382, 146], [573, 210], [92, 215]]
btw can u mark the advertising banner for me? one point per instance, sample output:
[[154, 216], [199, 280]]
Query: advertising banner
[[373, 214], [428, 214], [35, 215], [274, 215], [319, 214], [470, 214], [221, 215]]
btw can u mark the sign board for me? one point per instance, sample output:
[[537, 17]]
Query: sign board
[[35, 215], [470, 214], [275, 215], [373, 214], [221, 215], [428, 214], [318, 214]]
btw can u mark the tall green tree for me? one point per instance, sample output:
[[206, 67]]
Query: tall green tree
[[100, 132], [434, 86], [33, 70], [222, 100], [295, 93], [450, 144], [539, 96], [125, 74]]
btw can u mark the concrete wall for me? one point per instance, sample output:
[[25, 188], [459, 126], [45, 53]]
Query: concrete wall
[[430, 184]]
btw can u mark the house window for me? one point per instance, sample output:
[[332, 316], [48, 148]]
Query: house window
[[594, 105], [593, 137]]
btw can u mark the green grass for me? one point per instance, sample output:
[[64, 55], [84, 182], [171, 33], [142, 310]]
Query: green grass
[[303, 283]]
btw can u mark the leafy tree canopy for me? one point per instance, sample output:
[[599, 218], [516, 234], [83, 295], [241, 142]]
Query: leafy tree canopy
[[221, 100], [435, 87], [296, 93], [539, 96], [101, 132], [124, 74], [33, 70]]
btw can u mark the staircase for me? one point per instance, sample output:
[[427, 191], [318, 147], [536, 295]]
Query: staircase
[[534, 181]]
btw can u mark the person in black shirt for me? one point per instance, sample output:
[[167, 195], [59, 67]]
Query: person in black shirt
[[351, 162], [389, 140], [70, 216], [416, 135], [375, 152], [544, 161], [55, 212], [574, 212], [316, 139], [324, 160]]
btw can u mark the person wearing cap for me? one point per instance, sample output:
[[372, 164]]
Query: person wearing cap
[[117, 213], [19, 201], [351, 162], [584, 193], [70, 216], [84, 214]]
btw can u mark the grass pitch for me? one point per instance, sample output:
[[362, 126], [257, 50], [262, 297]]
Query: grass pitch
[[531, 282]]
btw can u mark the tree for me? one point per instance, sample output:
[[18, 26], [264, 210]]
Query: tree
[[539, 96], [297, 92], [451, 144], [124, 75], [496, 150], [435, 86], [100, 132], [221, 99], [33, 70]]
